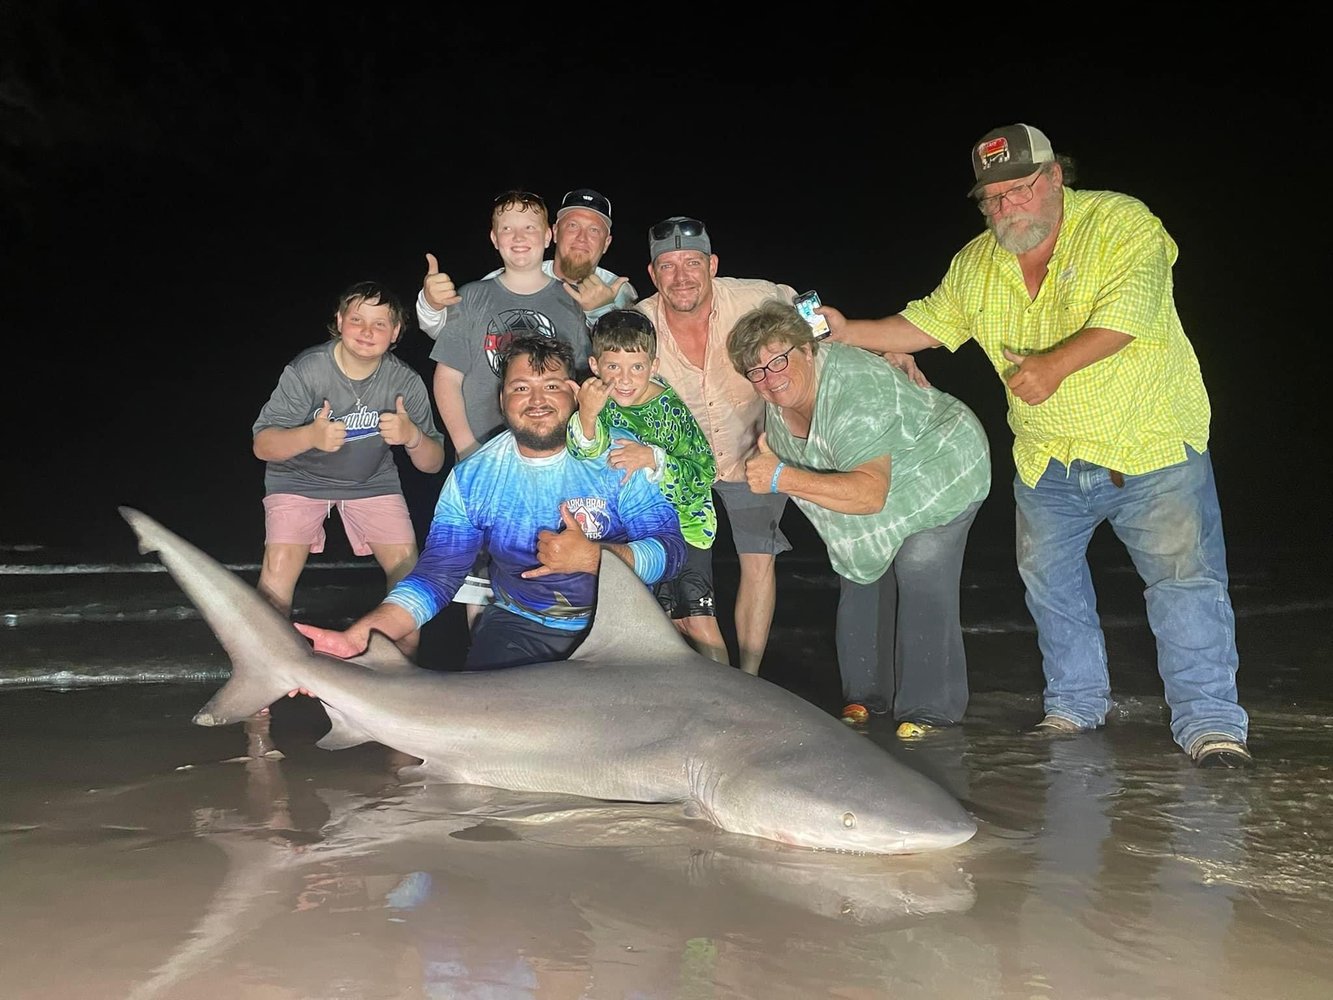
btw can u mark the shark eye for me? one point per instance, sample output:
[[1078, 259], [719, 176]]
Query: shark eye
[[849, 820]]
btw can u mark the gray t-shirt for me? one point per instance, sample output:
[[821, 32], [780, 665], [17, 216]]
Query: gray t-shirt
[[364, 465], [481, 325]]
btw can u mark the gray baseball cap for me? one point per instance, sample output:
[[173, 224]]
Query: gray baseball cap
[[679, 232]]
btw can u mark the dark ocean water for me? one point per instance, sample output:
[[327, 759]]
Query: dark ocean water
[[70, 621]]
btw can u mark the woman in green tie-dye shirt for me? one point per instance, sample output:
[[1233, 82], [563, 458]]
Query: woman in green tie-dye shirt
[[891, 476]]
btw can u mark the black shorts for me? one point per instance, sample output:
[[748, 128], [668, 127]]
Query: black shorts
[[689, 594]]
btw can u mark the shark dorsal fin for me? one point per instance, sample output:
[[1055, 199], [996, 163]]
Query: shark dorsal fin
[[628, 625], [383, 656]]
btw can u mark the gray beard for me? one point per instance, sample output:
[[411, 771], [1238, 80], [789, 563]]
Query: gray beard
[[574, 271], [1020, 241]]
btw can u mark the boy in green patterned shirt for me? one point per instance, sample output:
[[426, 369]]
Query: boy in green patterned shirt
[[625, 392]]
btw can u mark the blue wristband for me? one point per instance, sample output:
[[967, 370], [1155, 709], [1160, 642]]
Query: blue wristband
[[773, 483]]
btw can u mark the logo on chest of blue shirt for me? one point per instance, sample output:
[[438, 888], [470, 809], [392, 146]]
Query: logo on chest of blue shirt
[[591, 514]]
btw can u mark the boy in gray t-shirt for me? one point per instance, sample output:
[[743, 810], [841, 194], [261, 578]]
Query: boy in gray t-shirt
[[325, 435], [521, 298]]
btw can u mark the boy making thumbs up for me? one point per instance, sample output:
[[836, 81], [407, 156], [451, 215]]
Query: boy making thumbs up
[[325, 433]]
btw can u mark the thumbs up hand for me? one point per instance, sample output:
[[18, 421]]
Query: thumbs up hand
[[396, 426], [759, 466], [438, 287], [329, 434]]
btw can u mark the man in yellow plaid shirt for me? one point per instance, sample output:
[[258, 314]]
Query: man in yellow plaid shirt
[[1070, 295]]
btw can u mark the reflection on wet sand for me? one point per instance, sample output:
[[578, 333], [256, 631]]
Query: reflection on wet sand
[[492, 886], [141, 858]]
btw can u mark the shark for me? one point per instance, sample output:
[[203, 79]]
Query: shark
[[633, 715]]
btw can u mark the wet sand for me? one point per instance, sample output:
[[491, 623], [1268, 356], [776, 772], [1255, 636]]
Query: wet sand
[[146, 857]]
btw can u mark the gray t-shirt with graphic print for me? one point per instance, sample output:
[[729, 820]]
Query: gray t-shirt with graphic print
[[481, 325], [364, 466]]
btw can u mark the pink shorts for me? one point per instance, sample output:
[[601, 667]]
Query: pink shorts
[[296, 520]]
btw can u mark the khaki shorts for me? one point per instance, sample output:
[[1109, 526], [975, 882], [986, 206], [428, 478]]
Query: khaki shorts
[[290, 519]]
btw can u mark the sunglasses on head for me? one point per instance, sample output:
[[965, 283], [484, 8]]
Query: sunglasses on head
[[525, 199], [668, 227]]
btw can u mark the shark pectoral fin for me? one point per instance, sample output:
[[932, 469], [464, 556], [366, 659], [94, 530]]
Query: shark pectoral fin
[[413, 773], [342, 734]]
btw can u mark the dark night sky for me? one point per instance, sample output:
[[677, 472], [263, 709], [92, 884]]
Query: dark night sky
[[185, 193]]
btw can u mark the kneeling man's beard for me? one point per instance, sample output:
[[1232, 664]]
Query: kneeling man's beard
[[554, 438]]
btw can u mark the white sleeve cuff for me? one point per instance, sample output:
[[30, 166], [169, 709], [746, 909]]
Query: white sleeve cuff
[[430, 319]]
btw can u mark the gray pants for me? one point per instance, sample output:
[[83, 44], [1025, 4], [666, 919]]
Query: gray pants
[[900, 639]]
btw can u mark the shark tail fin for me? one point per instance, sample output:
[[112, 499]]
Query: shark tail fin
[[241, 697], [268, 656]]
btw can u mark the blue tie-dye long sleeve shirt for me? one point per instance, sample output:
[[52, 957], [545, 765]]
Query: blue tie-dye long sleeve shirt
[[499, 500]]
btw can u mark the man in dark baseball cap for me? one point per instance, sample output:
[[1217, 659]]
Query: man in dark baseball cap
[[1008, 153], [582, 234], [585, 198], [1070, 294]]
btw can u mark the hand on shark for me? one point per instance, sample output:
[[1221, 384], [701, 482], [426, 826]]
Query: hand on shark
[[342, 644]]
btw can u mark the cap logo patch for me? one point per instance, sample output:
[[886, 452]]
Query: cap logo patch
[[992, 152]]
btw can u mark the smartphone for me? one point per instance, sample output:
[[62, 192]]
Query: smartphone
[[805, 305]]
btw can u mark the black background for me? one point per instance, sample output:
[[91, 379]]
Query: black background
[[186, 191]]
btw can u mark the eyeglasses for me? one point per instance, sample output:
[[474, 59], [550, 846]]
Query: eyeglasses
[[1019, 194], [669, 227], [775, 364]]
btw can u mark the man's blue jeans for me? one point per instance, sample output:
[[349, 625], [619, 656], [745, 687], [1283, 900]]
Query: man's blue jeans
[[1170, 522]]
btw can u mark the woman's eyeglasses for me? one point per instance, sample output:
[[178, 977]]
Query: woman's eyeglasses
[[775, 364]]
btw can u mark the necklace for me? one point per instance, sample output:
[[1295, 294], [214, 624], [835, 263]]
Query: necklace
[[352, 384]]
